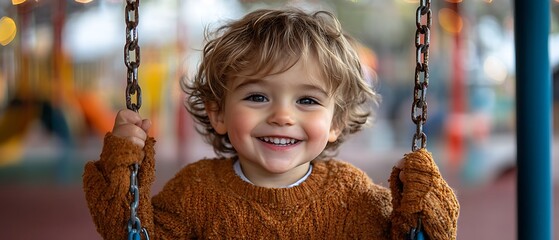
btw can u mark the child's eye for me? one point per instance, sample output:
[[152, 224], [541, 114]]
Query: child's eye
[[256, 98], [307, 101]]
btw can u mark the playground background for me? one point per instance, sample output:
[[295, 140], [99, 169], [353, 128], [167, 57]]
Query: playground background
[[62, 80]]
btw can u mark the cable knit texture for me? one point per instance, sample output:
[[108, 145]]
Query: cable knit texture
[[422, 193], [207, 200]]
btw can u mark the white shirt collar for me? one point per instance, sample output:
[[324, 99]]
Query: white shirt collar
[[239, 172]]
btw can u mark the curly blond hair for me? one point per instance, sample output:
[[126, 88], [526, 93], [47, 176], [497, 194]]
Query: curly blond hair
[[264, 39]]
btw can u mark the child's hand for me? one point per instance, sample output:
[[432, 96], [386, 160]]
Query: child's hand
[[414, 175], [419, 191], [129, 125], [400, 165]]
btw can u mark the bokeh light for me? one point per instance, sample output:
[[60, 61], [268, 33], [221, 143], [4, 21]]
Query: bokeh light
[[8, 30], [450, 20], [495, 69], [16, 2]]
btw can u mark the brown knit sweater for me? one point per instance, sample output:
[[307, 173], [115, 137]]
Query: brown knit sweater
[[207, 200]]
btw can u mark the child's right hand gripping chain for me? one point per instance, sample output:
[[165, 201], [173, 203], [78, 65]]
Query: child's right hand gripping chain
[[129, 125], [128, 143], [419, 191], [107, 181]]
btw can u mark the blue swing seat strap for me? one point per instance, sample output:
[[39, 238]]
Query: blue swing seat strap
[[416, 233], [135, 235]]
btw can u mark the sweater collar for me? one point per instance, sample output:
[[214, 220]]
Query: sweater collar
[[313, 187], [241, 174]]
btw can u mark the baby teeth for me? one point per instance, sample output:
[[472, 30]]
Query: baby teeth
[[279, 141]]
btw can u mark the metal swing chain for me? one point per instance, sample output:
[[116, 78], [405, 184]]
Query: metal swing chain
[[132, 55], [419, 106], [132, 62]]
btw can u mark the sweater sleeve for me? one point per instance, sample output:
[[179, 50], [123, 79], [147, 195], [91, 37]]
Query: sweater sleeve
[[422, 193], [106, 183]]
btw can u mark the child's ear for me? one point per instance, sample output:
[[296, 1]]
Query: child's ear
[[334, 134], [216, 117]]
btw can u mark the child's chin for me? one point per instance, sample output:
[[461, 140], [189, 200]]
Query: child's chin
[[285, 168]]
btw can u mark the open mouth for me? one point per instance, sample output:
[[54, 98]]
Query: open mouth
[[279, 141]]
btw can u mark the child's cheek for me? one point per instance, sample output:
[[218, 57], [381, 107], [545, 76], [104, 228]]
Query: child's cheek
[[240, 124], [318, 126]]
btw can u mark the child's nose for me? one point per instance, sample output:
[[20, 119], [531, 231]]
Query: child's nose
[[281, 115]]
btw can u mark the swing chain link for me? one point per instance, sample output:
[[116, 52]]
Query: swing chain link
[[422, 40], [135, 229], [132, 55], [132, 62], [423, 22]]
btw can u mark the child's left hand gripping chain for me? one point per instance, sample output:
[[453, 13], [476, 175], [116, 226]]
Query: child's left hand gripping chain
[[129, 125], [417, 167], [420, 192], [413, 177]]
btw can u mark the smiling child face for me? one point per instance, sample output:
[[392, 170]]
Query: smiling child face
[[278, 123]]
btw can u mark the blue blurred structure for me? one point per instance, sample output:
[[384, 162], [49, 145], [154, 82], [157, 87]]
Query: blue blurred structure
[[533, 111]]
